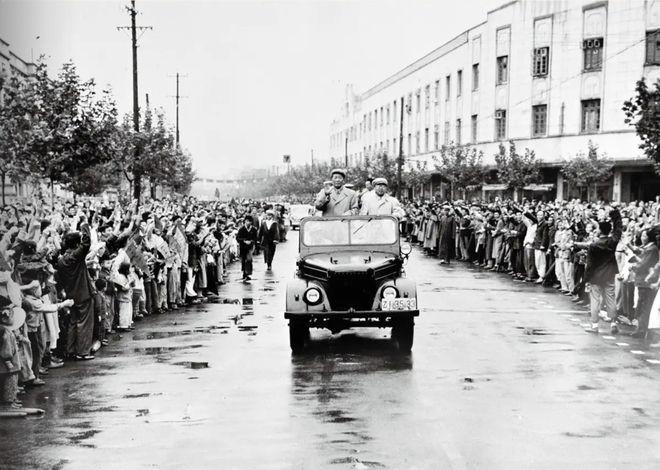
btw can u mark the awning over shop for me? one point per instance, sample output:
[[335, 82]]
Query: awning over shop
[[539, 187], [495, 187]]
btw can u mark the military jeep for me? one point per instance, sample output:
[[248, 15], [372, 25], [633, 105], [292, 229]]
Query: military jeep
[[350, 273]]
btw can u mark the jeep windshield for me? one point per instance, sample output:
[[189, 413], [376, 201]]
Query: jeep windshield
[[349, 232]]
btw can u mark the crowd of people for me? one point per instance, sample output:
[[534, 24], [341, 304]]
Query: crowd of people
[[74, 272], [604, 255]]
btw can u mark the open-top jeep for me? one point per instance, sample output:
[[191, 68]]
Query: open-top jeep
[[350, 274]]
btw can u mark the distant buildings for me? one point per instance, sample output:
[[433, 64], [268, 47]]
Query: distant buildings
[[11, 63], [548, 75]]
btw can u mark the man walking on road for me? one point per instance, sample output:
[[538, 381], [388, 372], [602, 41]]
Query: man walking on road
[[269, 236], [336, 199], [247, 239], [381, 203]]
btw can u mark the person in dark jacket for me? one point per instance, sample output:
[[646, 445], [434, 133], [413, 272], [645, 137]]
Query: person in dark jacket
[[541, 242], [73, 277], [645, 261], [247, 238], [601, 268], [269, 236]]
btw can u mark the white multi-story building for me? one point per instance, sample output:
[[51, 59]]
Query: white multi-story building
[[550, 76], [12, 64]]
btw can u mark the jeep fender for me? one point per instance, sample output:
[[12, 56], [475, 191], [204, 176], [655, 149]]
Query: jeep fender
[[407, 289], [294, 297]]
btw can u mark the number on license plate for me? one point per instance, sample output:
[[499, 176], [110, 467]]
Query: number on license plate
[[398, 304]]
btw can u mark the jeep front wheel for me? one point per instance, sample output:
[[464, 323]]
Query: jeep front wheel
[[298, 335], [403, 331]]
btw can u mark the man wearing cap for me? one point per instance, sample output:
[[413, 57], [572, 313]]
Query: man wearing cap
[[336, 199], [381, 203]]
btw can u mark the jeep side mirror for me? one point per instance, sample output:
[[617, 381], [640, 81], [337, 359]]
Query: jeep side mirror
[[406, 249]]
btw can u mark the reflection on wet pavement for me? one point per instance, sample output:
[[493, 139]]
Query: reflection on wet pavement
[[501, 377]]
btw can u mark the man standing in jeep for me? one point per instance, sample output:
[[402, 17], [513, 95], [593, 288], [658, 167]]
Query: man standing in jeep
[[381, 203], [336, 199]]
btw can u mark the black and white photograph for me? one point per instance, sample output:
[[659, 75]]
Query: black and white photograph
[[329, 234]]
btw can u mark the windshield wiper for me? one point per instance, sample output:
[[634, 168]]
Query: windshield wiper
[[362, 226]]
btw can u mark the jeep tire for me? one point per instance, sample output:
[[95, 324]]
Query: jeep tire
[[298, 335], [403, 331]]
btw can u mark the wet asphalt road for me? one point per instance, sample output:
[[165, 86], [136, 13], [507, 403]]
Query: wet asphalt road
[[501, 377]]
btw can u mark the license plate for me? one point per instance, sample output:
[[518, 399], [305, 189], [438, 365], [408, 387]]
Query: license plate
[[398, 304]]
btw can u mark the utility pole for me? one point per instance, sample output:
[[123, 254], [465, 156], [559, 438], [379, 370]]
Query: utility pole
[[177, 97], [136, 106], [399, 161]]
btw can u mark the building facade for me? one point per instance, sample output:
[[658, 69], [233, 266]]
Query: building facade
[[12, 64], [550, 76]]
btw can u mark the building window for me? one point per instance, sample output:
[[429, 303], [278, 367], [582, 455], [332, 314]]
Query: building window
[[593, 54], [394, 111], [590, 116], [417, 143], [539, 120], [541, 60], [409, 145], [426, 139], [388, 113], [396, 149], [502, 69], [458, 132], [381, 117], [436, 91], [475, 77], [427, 96], [473, 122], [500, 124], [418, 101], [459, 83], [436, 137], [653, 47], [447, 87], [446, 132]]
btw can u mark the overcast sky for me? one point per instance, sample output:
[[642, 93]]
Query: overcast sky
[[261, 78]]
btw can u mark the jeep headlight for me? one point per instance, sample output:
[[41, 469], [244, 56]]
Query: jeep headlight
[[312, 296], [389, 292]]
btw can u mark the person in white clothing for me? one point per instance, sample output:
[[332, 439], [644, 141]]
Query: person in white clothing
[[381, 203]]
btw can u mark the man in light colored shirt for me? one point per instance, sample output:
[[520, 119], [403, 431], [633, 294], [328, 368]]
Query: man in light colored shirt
[[381, 203]]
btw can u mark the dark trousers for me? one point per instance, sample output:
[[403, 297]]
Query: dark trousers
[[644, 305], [81, 329], [269, 252], [579, 280], [246, 263], [38, 346]]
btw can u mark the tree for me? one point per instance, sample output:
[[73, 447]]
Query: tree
[[643, 112], [59, 127], [586, 171], [461, 166], [516, 170]]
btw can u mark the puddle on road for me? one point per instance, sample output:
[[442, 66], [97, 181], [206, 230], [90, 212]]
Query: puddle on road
[[78, 438], [247, 327], [534, 331], [586, 388], [163, 349], [169, 334], [141, 395], [356, 463], [193, 364]]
